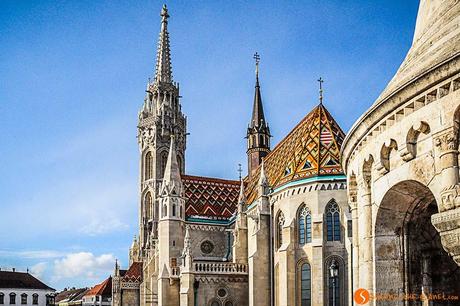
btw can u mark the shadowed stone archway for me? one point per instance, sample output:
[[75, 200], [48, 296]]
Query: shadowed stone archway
[[409, 257]]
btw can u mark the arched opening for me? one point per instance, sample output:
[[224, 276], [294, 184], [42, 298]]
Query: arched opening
[[334, 280], [304, 225], [409, 257], [148, 164], [333, 221], [304, 284], [279, 229]]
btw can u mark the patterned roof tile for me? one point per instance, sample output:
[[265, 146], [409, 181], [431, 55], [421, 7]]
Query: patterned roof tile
[[311, 149], [210, 197]]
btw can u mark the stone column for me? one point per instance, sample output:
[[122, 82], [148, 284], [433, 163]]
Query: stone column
[[355, 239], [366, 264], [287, 266], [447, 221]]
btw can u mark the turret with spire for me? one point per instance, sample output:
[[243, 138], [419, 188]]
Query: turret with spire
[[258, 133], [171, 227]]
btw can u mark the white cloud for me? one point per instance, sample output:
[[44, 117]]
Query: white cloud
[[38, 269], [83, 264]]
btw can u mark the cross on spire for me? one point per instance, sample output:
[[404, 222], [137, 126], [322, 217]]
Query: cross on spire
[[240, 170], [321, 81], [257, 58]]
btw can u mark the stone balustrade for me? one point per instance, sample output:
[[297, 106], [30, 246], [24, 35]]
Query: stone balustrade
[[220, 268]]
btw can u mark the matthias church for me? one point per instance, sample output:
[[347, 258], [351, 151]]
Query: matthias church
[[321, 213]]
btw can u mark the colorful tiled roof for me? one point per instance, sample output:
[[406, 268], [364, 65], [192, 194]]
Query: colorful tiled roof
[[311, 149], [104, 288], [210, 198], [134, 273]]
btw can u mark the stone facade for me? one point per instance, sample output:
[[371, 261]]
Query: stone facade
[[401, 160]]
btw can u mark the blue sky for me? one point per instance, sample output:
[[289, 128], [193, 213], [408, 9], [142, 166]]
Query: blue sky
[[72, 79]]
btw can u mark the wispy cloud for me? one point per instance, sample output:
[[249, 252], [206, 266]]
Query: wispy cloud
[[35, 254]]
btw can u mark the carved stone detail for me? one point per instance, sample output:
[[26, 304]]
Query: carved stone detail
[[446, 141], [450, 198], [447, 223]]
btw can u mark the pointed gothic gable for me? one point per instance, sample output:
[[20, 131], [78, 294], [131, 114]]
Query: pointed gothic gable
[[311, 149], [211, 198]]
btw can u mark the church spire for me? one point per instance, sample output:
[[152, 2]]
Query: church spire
[[258, 117], [163, 66], [172, 171], [258, 133]]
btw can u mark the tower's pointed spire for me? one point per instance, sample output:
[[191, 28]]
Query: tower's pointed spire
[[263, 180], [241, 197], [163, 66], [258, 117], [172, 172]]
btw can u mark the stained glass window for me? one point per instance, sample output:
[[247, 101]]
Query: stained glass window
[[333, 221], [305, 285]]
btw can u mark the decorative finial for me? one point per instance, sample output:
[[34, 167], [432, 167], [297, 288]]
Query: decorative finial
[[240, 170], [321, 81], [257, 58], [164, 14]]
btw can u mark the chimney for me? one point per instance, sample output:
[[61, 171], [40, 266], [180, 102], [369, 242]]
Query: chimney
[[14, 269]]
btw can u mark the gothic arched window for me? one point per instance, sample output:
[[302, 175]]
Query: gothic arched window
[[280, 223], [334, 276], [305, 285], [333, 221], [304, 218], [148, 206], [148, 165]]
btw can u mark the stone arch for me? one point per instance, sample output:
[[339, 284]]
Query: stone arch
[[385, 151], [408, 251], [148, 164], [341, 280], [410, 151], [333, 221], [299, 285], [303, 224]]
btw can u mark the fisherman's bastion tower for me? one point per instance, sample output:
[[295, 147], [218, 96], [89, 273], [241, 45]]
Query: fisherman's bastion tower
[[320, 214]]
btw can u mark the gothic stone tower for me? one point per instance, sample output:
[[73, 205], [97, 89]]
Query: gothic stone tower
[[258, 133], [159, 119]]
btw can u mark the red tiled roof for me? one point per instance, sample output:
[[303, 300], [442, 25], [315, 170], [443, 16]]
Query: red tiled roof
[[20, 280], [210, 197], [104, 288], [134, 273]]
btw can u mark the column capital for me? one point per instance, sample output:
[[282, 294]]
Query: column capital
[[446, 141]]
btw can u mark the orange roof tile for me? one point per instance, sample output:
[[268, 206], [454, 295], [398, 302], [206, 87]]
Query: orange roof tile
[[104, 288]]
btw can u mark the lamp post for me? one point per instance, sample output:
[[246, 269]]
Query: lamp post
[[334, 271]]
